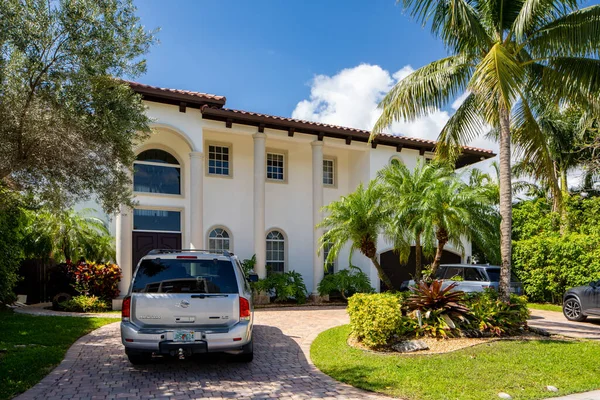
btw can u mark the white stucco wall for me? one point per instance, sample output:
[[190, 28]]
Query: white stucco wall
[[228, 201]]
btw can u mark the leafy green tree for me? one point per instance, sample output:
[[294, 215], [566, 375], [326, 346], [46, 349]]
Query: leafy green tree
[[506, 54], [357, 218], [67, 235], [403, 190], [67, 125]]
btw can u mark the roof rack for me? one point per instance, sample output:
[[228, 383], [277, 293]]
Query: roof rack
[[226, 253]]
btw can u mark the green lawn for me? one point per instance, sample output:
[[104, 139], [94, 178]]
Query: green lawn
[[522, 369], [545, 307], [46, 339]]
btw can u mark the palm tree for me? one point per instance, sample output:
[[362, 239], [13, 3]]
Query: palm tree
[[357, 218], [64, 235], [453, 210], [402, 193], [506, 54]]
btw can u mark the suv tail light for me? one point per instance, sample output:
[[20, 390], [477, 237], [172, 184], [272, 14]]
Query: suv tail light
[[126, 309], [244, 309]]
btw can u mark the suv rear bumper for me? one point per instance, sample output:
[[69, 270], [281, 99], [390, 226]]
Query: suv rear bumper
[[160, 340]]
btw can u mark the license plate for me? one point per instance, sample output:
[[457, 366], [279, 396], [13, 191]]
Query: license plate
[[183, 336]]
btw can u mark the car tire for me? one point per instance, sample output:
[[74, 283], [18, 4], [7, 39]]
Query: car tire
[[572, 310], [247, 353], [140, 358]]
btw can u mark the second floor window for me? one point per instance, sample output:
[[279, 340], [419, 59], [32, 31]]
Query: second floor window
[[156, 171], [219, 160], [328, 172], [275, 167]]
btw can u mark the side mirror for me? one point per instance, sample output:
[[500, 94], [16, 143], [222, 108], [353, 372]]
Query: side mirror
[[252, 278]]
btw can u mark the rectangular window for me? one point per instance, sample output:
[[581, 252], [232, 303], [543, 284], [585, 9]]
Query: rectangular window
[[328, 172], [275, 167], [185, 276], [156, 220], [151, 178], [275, 257], [219, 158]]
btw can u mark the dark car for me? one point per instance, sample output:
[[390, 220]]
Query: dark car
[[582, 301]]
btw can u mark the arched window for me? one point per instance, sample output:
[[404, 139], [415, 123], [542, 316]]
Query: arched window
[[156, 171], [275, 252], [219, 240]]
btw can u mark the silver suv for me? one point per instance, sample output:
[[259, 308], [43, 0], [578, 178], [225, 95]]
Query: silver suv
[[184, 302], [470, 278]]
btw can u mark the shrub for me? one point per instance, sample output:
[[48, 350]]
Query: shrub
[[284, 286], [85, 304], [489, 314], [548, 265], [12, 222], [376, 318], [93, 279], [346, 282]]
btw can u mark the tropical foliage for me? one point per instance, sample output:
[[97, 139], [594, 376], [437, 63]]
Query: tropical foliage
[[85, 304], [283, 287], [91, 279], [346, 282], [67, 235], [357, 218], [68, 126], [510, 56]]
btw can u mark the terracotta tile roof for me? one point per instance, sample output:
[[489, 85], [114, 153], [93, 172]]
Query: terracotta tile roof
[[142, 88], [318, 125]]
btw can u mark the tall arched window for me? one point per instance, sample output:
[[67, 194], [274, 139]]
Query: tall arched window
[[275, 252], [219, 240], [156, 171]]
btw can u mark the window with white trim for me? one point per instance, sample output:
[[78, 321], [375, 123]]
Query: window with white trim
[[156, 171], [328, 172], [219, 160], [219, 240], [276, 166], [275, 252]]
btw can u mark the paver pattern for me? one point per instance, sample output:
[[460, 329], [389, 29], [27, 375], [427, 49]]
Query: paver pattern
[[96, 367], [555, 322]]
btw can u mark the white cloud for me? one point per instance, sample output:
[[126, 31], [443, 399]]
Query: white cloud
[[350, 98]]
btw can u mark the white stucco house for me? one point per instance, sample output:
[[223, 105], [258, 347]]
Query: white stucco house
[[216, 178]]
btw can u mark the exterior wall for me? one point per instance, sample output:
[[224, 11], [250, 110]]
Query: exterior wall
[[228, 202]]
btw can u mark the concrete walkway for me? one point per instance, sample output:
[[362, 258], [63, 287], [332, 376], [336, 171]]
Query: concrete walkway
[[556, 323]]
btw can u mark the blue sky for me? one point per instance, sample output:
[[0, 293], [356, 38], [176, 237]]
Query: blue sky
[[330, 61], [263, 54]]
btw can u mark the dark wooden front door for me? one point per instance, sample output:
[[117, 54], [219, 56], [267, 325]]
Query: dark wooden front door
[[143, 242]]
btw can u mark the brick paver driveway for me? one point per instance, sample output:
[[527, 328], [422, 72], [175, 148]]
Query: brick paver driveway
[[96, 367]]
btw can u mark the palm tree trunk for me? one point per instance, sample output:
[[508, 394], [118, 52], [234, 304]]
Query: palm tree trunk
[[418, 262], [442, 237], [564, 188], [382, 275], [505, 204]]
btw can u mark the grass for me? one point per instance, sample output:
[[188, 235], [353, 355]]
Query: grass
[[520, 368], [545, 307], [46, 340]]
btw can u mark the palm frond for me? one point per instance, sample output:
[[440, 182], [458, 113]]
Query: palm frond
[[536, 13], [426, 89], [575, 34]]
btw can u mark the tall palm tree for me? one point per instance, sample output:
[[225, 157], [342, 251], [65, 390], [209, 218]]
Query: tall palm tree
[[402, 194], [357, 218], [67, 234], [506, 54]]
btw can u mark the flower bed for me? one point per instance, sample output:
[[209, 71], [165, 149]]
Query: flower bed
[[382, 320]]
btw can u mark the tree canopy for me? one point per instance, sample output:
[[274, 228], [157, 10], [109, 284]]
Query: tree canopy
[[68, 125]]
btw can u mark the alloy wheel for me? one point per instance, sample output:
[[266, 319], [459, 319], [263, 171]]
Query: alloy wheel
[[572, 309]]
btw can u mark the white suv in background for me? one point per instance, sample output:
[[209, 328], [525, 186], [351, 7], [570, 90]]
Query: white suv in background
[[184, 302]]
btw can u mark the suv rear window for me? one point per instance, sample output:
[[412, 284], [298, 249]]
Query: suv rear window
[[185, 276]]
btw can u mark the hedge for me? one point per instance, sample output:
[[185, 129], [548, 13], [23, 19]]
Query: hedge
[[548, 265]]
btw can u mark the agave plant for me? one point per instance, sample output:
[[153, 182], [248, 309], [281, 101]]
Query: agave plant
[[434, 300]]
